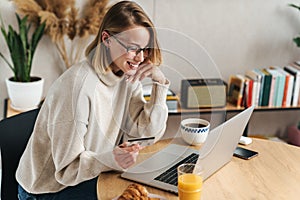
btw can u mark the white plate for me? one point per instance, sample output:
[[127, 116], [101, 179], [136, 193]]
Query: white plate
[[149, 195]]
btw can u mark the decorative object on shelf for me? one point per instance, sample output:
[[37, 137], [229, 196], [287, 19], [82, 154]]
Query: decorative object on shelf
[[203, 93], [293, 133], [24, 90], [171, 99], [296, 39], [67, 27]]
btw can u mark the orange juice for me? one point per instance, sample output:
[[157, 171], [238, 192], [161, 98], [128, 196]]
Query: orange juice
[[189, 186]]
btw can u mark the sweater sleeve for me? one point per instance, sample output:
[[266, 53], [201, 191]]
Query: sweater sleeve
[[73, 162], [148, 119]]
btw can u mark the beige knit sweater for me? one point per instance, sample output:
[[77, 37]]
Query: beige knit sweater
[[81, 121]]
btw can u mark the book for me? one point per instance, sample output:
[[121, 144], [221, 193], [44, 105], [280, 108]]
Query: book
[[297, 67], [261, 78], [296, 73], [244, 90], [288, 86], [273, 88], [266, 87], [278, 86], [256, 77], [249, 91], [280, 89], [235, 90]]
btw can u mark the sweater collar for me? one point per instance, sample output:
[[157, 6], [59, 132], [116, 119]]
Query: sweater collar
[[109, 78]]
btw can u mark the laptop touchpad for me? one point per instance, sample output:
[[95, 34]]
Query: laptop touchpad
[[155, 163]]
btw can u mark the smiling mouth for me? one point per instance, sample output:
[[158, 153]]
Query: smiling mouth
[[133, 66]]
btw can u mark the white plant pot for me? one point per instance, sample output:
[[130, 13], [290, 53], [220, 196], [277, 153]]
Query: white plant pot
[[25, 96]]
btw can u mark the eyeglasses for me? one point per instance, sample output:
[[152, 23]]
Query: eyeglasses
[[134, 49]]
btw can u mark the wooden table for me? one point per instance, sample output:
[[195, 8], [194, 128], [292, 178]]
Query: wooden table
[[273, 174]]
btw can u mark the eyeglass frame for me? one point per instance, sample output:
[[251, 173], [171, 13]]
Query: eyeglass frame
[[139, 50]]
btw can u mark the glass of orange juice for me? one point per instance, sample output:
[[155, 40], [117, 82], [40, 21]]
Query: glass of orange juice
[[189, 181]]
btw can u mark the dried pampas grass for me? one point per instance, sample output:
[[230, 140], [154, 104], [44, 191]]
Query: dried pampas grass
[[65, 24], [29, 8]]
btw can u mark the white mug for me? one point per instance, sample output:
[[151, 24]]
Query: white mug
[[194, 131]]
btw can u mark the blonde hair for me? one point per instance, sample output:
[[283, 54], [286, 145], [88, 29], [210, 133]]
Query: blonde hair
[[120, 17]]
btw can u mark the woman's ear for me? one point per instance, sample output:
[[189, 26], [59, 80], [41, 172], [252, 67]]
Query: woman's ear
[[105, 38]]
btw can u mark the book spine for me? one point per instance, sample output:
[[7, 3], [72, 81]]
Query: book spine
[[235, 90], [287, 86], [285, 99], [295, 93], [280, 90], [266, 88], [296, 66], [261, 85], [274, 87], [254, 93], [256, 79], [250, 92], [290, 90]]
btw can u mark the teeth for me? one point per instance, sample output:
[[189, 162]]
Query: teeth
[[136, 65]]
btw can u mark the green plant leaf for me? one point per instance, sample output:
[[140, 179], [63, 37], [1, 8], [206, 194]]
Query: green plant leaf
[[294, 6], [8, 63], [10, 38], [21, 48], [37, 35], [23, 31], [4, 33], [297, 41], [19, 58]]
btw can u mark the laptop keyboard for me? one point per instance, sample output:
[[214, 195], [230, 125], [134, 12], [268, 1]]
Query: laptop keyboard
[[170, 175]]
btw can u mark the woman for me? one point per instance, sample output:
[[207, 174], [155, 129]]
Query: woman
[[93, 108]]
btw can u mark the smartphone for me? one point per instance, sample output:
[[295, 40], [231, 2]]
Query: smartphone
[[244, 153], [142, 141]]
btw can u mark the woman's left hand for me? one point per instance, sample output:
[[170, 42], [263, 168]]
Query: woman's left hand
[[148, 69], [126, 155]]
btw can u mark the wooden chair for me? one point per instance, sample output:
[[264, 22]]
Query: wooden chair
[[14, 135]]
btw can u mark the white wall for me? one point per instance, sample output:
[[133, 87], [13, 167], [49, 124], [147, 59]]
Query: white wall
[[201, 38]]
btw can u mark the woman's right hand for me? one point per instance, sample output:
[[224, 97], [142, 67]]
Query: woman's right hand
[[147, 69], [126, 155]]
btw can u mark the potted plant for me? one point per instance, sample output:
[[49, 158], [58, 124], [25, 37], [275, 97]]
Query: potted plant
[[296, 39], [68, 25], [24, 90]]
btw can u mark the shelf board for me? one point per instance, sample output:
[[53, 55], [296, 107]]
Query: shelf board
[[8, 111], [230, 109]]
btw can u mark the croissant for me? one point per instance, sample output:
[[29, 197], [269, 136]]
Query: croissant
[[135, 192]]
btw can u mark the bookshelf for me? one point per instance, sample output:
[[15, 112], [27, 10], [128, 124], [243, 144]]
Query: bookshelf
[[8, 111], [232, 109], [266, 87], [229, 108]]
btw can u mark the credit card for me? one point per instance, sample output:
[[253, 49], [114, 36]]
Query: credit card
[[146, 141]]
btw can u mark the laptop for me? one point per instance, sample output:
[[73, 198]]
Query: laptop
[[160, 170]]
